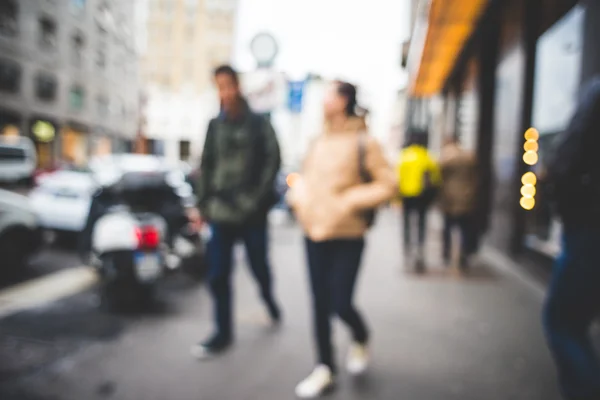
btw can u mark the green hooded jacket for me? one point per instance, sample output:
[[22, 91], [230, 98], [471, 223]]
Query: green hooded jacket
[[240, 162]]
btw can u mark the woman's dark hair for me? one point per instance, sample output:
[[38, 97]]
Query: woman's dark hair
[[348, 91], [229, 71]]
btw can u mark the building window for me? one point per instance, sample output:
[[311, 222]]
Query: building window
[[77, 7], [10, 76], [103, 106], [45, 86], [76, 97], [48, 33], [8, 18], [101, 59], [78, 44], [184, 150]]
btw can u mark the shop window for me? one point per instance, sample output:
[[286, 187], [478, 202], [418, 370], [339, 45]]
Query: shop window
[[9, 12], [101, 59], [76, 97], [10, 122], [10, 76], [47, 33], [74, 146], [77, 46], [555, 98], [102, 106], [184, 150], [43, 133], [45, 87], [156, 147]]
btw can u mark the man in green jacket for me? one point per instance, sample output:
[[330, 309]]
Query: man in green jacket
[[236, 189]]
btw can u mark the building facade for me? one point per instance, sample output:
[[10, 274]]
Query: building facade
[[68, 76], [519, 65], [182, 41]]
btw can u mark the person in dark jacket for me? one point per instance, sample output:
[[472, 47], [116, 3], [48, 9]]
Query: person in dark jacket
[[236, 189], [574, 296]]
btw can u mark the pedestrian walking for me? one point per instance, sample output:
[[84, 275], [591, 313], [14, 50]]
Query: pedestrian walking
[[236, 189], [344, 177], [573, 300], [419, 179], [458, 198]]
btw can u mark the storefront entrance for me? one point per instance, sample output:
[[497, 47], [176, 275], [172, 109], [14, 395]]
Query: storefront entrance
[[43, 133], [74, 146], [555, 97]]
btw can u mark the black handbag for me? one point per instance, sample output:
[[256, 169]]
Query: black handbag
[[370, 214]]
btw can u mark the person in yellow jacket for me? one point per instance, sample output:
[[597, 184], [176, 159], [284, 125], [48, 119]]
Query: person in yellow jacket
[[419, 178]]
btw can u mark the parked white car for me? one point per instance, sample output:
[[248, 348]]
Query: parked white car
[[62, 200], [20, 236], [17, 159]]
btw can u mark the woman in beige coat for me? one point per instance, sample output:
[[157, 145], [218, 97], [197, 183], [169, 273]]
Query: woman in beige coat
[[330, 200]]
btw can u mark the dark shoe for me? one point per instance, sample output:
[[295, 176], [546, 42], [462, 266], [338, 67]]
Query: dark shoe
[[211, 348], [274, 312]]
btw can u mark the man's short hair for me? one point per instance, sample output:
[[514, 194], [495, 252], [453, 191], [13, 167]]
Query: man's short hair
[[228, 70]]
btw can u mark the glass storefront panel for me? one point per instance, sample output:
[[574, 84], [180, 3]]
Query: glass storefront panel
[[74, 147], [557, 82], [43, 133]]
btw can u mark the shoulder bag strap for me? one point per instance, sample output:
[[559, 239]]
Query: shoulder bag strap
[[365, 176]]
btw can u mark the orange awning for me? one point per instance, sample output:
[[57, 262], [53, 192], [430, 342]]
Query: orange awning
[[440, 34]]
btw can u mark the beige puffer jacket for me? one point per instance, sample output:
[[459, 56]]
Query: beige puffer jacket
[[329, 196]]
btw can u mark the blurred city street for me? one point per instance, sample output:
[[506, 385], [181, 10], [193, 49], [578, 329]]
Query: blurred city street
[[441, 335]]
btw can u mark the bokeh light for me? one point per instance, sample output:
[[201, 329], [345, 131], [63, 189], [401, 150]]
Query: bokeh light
[[527, 203], [532, 134], [530, 157], [528, 191], [531, 145], [529, 178]]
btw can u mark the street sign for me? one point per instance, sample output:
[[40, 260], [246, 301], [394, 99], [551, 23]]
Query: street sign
[[295, 95], [264, 48]]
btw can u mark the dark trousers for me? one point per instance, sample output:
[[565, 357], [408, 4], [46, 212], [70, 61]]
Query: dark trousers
[[467, 235], [414, 206], [220, 253], [572, 304], [333, 267]]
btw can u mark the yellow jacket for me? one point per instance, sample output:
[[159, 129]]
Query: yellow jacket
[[414, 162]]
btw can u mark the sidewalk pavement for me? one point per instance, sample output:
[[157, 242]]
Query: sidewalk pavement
[[440, 336]]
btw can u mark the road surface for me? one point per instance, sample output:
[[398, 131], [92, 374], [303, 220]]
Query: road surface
[[441, 336]]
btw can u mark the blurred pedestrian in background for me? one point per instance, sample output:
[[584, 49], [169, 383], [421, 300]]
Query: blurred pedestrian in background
[[344, 176], [457, 199], [419, 180], [573, 300], [236, 189]]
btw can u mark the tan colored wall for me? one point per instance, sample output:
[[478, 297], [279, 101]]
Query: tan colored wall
[[182, 50]]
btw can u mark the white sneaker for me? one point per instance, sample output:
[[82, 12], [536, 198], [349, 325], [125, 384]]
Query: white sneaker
[[317, 383], [358, 359]]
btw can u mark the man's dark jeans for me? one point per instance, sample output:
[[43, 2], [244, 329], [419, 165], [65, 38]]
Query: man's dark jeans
[[464, 223], [220, 253], [572, 304], [411, 206], [333, 267]]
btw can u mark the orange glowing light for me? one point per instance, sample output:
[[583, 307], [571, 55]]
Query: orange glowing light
[[531, 145], [527, 203], [528, 191], [532, 134], [530, 157], [529, 178]]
